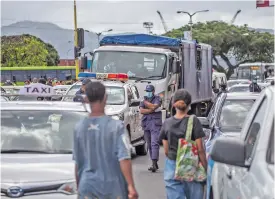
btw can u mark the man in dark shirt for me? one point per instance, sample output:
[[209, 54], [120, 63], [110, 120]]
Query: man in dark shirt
[[79, 94], [254, 87]]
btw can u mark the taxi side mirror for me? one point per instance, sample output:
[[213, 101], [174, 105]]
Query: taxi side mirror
[[134, 103]]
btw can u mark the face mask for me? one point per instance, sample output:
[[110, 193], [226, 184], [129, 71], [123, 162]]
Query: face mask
[[149, 94]]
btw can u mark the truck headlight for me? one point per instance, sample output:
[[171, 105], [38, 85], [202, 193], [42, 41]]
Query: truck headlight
[[68, 188], [118, 117]]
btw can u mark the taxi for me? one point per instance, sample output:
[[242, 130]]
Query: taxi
[[122, 104], [36, 148]]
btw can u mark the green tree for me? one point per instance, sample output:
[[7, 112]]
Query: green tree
[[26, 50], [227, 40]]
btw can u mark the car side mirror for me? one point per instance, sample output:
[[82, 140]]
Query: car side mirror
[[204, 122], [222, 145], [134, 103], [176, 67]]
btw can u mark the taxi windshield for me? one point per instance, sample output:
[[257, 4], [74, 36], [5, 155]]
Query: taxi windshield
[[115, 95], [233, 114], [38, 131]]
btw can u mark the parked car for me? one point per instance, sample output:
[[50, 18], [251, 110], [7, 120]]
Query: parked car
[[225, 119], [246, 163]]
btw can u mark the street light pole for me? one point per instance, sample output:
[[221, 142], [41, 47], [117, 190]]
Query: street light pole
[[190, 17]]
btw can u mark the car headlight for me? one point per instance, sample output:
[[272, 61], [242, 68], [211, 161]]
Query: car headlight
[[68, 188], [118, 117]]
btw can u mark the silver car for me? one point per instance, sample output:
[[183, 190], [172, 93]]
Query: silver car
[[36, 149], [247, 162]]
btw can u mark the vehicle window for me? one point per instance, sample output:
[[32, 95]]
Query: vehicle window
[[50, 131], [135, 64], [254, 130], [49, 73], [135, 92], [5, 75], [239, 89], [34, 73], [130, 94], [19, 76], [270, 152], [233, 114], [115, 95]]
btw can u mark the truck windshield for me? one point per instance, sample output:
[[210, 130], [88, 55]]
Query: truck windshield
[[137, 65]]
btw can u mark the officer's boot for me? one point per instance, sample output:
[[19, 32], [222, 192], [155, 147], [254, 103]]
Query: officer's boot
[[154, 166]]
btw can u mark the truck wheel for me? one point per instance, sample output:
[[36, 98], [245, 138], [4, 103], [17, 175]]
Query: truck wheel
[[142, 149]]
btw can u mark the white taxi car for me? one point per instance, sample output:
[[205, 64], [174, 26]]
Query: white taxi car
[[122, 104]]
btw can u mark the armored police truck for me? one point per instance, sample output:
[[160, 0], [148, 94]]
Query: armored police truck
[[166, 63]]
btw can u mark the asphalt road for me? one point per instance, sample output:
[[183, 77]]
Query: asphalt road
[[149, 185]]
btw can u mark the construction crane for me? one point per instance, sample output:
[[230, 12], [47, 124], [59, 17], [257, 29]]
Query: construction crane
[[235, 16], [163, 22]]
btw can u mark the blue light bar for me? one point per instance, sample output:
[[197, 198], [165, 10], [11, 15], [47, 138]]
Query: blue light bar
[[86, 75]]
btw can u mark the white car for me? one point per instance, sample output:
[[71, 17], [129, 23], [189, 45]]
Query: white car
[[231, 83], [239, 88], [122, 104]]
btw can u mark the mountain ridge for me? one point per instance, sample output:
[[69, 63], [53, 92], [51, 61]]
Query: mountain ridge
[[62, 39]]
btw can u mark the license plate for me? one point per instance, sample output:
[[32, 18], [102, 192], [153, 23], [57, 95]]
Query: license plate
[[101, 76]]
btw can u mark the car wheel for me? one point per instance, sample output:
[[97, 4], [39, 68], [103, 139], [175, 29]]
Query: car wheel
[[142, 149]]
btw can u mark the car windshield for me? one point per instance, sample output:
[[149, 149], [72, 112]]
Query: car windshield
[[136, 64], [234, 113], [115, 95], [239, 89], [40, 131]]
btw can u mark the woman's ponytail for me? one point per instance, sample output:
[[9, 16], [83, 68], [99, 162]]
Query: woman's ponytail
[[181, 105]]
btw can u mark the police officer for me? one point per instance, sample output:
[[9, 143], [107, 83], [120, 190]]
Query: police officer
[[254, 87], [151, 123], [79, 94]]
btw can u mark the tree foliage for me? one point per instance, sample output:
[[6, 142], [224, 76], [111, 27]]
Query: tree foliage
[[227, 40], [27, 50]]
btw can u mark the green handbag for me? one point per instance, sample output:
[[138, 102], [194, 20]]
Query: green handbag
[[188, 166]]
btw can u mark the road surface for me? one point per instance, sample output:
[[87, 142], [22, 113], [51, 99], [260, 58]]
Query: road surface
[[149, 185]]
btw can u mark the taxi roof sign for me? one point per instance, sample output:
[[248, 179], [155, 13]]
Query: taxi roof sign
[[37, 89]]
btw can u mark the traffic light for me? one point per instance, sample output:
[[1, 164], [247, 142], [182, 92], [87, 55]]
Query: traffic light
[[80, 38], [84, 62], [77, 52]]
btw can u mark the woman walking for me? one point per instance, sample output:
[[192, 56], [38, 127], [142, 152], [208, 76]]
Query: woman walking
[[173, 129]]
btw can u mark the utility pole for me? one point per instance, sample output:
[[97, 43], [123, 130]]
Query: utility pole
[[190, 17], [76, 41], [148, 26]]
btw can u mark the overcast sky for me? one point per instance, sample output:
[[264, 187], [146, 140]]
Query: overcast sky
[[128, 16]]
